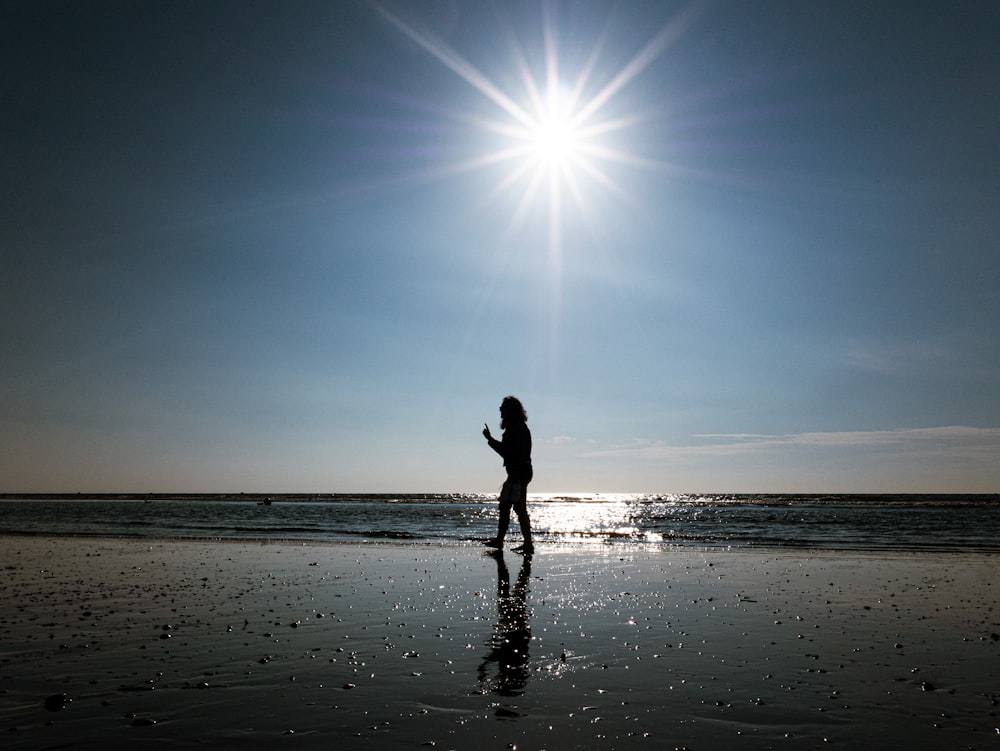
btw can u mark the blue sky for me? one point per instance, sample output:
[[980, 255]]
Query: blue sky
[[309, 246]]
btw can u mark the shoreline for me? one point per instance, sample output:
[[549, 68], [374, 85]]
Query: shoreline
[[623, 545], [396, 644]]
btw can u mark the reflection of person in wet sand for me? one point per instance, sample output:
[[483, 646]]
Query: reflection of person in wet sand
[[511, 635]]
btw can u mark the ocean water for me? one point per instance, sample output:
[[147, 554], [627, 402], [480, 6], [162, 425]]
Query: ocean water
[[839, 522]]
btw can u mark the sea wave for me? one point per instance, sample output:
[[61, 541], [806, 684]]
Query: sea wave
[[910, 522]]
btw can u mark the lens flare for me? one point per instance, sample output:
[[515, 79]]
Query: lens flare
[[557, 137], [556, 130]]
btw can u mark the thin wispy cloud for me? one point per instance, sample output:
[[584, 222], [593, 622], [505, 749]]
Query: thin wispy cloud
[[890, 358], [562, 440], [955, 437], [905, 357]]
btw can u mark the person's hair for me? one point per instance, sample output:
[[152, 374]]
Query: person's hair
[[512, 409]]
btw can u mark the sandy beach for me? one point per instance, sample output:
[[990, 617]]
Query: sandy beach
[[180, 644]]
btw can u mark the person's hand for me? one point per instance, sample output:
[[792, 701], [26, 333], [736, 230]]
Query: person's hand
[[486, 431]]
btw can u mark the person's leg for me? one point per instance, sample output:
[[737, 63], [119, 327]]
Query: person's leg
[[506, 501], [521, 509]]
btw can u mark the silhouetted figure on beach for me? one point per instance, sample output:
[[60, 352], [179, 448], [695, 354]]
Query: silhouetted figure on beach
[[515, 448], [511, 635]]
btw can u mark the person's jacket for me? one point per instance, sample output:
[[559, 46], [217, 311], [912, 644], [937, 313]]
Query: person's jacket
[[515, 448]]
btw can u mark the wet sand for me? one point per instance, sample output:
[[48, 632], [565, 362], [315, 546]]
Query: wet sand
[[248, 645]]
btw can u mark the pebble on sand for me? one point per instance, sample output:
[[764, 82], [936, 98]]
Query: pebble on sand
[[57, 702]]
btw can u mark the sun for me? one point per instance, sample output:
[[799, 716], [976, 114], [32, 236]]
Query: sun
[[558, 122], [554, 142], [553, 136], [551, 126], [556, 138]]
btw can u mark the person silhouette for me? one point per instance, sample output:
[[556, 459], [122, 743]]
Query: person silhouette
[[508, 643], [515, 448]]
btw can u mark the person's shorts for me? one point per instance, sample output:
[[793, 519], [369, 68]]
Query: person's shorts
[[511, 492]]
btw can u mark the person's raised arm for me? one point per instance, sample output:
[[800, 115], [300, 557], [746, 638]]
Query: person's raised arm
[[494, 443]]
